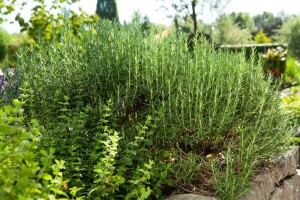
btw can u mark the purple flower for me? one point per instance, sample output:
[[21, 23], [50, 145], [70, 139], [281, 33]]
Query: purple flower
[[2, 82]]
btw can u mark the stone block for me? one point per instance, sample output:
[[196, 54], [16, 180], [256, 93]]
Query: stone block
[[285, 165], [282, 173], [262, 186], [277, 194], [291, 187], [190, 197]]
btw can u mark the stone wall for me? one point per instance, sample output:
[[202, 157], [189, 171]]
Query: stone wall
[[280, 181]]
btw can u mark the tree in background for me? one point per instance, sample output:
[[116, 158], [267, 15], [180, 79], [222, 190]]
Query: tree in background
[[148, 25], [228, 32], [290, 34], [243, 20], [268, 23], [6, 7], [45, 23], [107, 9], [193, 8], [186, 25], [46, 20]]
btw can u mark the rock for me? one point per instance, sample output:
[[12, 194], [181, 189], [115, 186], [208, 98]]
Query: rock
[[190, 197], [285, 165], [296, 156], [262, 187], [291, 187], [285, 92], [264, 183], [277, 194], [282, 173], [297, 131]]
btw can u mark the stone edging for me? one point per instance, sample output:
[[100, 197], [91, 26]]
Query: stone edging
[[280, 181]]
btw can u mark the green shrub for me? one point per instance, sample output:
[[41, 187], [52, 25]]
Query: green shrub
[[97, 162], [292, 72], [289, 33], [296, 141], [4, 39], [275, 61], [292, 103], [3, 51], [204, 104], [228, 32], [261, 38], [24, 168]]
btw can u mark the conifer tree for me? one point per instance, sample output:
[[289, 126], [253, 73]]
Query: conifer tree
[[107, 9]]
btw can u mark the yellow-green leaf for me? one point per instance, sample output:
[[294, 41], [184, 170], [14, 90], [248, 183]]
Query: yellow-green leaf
[[47, 177]]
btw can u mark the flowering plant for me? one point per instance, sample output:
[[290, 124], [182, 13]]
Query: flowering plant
[[275, 59]]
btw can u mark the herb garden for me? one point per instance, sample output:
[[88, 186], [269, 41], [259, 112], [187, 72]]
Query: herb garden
[[115, 114]]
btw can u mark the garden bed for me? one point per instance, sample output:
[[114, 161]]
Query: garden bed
[[131, 117], [279, 181]]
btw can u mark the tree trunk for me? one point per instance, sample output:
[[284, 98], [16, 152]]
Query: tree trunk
[[194, 15], [176, 25]]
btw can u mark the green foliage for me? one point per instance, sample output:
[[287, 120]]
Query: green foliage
[[148, 26], [292, 72], [275, 61], [3, 51], [47, 19], [296, 141], [25, 170], [4, 40], [6, 7], [290, 34], [227, 32], [261, 38], [9, 6], [243, 20], [268, 23], [186, 26], [99, 163], [94, 97], [107, 9], [45, 25], [192, 9], [292, 103]]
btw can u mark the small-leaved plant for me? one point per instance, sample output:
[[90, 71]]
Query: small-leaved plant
[[27, 172]]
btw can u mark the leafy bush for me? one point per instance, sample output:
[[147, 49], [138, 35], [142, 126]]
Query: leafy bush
[[292, 103], [25, 168], [261, 38], [275, 61], [290, 34], [296, 141], [292, 72], [4, 39], [228, 32], [3, 51], [213, 117]]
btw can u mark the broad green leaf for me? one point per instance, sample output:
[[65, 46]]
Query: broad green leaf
[[5, 129], [47, 177]]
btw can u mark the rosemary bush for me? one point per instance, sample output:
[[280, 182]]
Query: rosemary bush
[[203, 103]]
